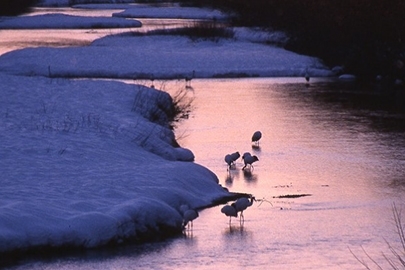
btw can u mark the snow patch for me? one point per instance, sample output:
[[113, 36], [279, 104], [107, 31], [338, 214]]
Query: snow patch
[[80, 167]]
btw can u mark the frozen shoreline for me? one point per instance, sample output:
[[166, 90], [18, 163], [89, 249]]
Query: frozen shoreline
[[82, 165], [78, 162]]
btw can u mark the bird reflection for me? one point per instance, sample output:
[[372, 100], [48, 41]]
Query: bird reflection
[[236, 231], [231, 176], [188, 234], [256, 148], [249, 177], [229, 180]]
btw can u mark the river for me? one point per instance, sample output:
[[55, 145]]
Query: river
[[331, 166]]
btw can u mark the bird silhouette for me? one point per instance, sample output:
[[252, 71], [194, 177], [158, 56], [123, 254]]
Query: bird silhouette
[[188, 217], [188, 79], [242, 204], [184, 208], [256, 137], [307, 78], [231, 158], [229, 211], [152, 79], [248, 159], [235, 156], [229, 161]]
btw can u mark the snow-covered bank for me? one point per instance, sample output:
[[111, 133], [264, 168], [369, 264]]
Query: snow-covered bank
[[66, 3], [80, 167], [174, 12], [165, 57], [61, 21], [85, 163]]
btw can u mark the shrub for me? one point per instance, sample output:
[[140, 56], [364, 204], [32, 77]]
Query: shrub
[[182, 106], [204, 30], [398, 260], [15, 7], [365, 36]]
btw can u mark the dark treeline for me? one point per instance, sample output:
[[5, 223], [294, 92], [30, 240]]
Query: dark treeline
[[15, 7], [365, 36]]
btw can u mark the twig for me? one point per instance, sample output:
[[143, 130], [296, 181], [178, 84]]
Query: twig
[[362, 262], [263, 200]]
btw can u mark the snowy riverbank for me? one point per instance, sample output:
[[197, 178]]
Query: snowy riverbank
[[85, 163], [80, 167]]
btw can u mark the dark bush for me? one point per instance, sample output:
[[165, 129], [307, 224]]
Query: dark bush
[[366, 36], [212, 31], [15, 7]]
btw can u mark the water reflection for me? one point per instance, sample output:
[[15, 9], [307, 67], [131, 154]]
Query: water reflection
[[341, 143], [311, 144], [237, 232], [14, 39], [249, 176], [229, 178]]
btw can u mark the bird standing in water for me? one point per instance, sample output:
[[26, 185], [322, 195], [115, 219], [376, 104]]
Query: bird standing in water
[[231, 158], [248, 159], [307, 77], [188, 80], [188, 217], [229, 161], [242, 204], [229, 211], [256, 137]]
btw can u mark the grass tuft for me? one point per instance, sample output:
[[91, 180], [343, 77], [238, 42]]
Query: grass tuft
[[201, 30]]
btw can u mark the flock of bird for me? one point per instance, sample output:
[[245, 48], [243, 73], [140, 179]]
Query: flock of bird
[[230, 210], [247, 158], [241, 204]]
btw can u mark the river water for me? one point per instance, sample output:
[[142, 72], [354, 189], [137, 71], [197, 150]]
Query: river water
[[347, 157], [328, 141]]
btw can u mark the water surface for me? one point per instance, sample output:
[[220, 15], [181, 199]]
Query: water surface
[[331, 141], [351, 167], [14, 39]]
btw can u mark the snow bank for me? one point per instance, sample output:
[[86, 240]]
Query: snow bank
[[81, 167], [65, 3], [170, 11], [86, 163], [166, 57], [173, 12], [258, 35], [62, 21]]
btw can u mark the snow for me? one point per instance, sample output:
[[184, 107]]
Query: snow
[[164, 57], [65, 3], [80, 167], [61, 21], [173, 12], [90, 162]]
